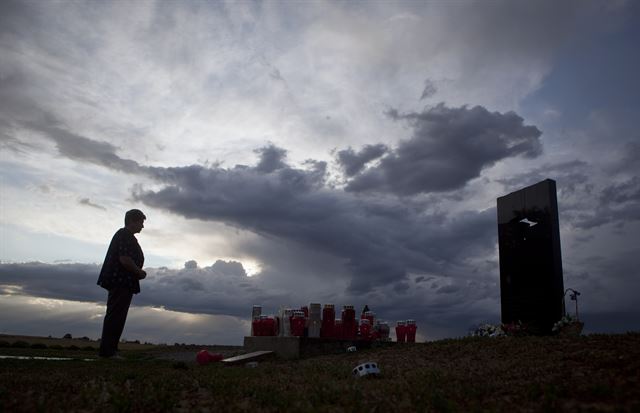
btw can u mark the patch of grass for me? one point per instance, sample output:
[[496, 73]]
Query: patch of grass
[[38, 346], [180, 365], [20, 344], [475, 375]]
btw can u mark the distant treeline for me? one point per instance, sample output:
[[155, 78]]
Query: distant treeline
[[24, 344]]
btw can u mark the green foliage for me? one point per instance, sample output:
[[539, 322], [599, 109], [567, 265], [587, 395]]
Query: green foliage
[[4, 344], [73, 347], [38, 346], [20, 344]]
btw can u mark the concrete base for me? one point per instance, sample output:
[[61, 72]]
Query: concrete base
[[296, 347], [284, 347]]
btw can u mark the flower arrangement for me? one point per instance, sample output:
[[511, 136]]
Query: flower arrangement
[[568, 325], [515, 329], [487, 330]]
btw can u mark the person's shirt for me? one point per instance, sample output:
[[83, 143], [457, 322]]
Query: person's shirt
[[113, 273]]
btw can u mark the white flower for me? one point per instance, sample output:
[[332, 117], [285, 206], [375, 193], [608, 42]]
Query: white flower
[[564, 321]]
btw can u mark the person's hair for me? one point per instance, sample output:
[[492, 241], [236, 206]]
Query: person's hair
[[133, 215]]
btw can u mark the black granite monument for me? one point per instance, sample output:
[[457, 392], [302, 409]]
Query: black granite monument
[[531, 284]]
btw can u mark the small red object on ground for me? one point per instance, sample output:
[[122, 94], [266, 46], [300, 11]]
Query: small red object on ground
[[213, 357], [203, 357]]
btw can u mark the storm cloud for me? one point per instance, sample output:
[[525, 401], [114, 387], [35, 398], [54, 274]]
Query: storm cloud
[[222, 288], [585, 203], [380, 240], [449, 147], [352, 162], [259, 140]]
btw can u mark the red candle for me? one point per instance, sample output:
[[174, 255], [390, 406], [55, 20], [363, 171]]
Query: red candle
[[365, 329], [401, 332], [337, 329], [411, 331], [328, 320]]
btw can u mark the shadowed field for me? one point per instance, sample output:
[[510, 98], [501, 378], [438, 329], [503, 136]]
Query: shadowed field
[[588, 373]]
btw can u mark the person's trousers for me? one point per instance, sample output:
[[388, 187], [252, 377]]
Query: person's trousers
[[117, 308]]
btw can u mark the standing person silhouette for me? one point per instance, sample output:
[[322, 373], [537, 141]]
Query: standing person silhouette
[[120, 275]]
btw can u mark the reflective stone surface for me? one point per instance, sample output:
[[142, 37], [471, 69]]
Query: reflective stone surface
[[531, 282]]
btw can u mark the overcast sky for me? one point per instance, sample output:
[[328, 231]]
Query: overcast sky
[[295, 152]]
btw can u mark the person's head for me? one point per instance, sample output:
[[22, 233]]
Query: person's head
[[134, 220]]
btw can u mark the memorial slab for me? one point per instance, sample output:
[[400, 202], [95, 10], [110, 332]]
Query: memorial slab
[[531, 281]]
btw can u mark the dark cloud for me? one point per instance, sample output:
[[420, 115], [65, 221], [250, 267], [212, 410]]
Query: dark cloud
[[448, 289], [380, 242], [15, 16], [630, 161], [87, 202], [379, 239], [608, 322], [448, 309], [83, 149], [352, 162], [208, 291], [571, 177], [62, 281], [449, 147], [271, 158], [23, 315], [608, 284], [584, 203], [229, 268], [429, 89], [219, 289], [624, 192], [617, 215]]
